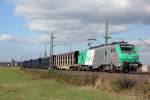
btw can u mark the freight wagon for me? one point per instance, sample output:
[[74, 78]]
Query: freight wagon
[[66, 61]]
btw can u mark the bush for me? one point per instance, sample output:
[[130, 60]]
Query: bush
[[123, 84]]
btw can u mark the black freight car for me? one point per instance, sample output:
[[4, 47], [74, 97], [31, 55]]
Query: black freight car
[[26, 64], [45, 63]]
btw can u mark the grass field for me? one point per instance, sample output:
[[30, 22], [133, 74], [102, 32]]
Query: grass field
[[16, 84]]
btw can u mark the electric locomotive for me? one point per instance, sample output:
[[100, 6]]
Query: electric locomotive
[[117, 56]]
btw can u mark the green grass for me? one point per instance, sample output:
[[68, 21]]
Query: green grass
[[16, 84]]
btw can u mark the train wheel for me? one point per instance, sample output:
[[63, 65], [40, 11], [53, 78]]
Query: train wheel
[[71, 68], [111, 68], [101, 68]]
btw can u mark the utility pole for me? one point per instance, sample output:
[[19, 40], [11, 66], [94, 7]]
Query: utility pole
[[51, 65], [106, 33], [21, 59], [45, 54]]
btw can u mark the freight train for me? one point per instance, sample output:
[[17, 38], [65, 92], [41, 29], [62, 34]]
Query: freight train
[[117, 56]]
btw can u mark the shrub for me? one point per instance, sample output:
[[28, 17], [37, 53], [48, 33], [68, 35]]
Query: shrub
[[123, 83]]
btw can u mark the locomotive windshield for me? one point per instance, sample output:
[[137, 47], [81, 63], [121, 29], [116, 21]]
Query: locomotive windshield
[[127, 48]]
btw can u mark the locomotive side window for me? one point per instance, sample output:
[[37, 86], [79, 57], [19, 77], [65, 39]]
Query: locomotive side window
[[105, 52], [112, 49]]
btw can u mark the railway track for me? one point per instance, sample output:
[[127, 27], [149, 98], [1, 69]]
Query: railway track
[[143, 77], [92, 72]]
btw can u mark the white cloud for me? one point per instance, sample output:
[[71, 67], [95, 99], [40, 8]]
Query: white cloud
[[72, 18], [7, 38], [121, 3], [141, 42], [39, 39]]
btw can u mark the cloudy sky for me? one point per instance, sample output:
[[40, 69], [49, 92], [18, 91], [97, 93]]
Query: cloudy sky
[[25, 25]]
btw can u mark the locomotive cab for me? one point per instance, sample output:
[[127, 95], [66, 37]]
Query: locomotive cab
[[128, 57]]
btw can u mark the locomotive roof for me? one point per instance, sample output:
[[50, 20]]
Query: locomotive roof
[[113, 43]]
